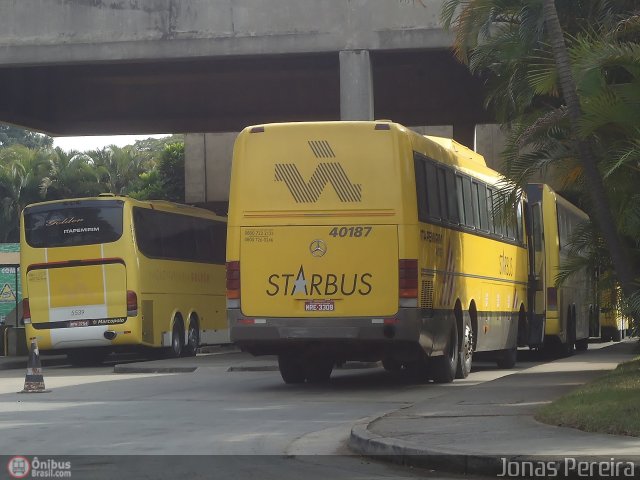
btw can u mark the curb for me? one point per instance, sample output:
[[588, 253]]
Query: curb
[[257, 368], [21, 362], [363, 441], [394, 450], [124, 368]]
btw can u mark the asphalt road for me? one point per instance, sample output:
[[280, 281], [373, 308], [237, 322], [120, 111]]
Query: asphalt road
[[240, 424]]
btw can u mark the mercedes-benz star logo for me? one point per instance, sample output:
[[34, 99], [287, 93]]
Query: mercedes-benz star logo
[[318, 248]]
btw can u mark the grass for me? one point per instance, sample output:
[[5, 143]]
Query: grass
[[609, 404]]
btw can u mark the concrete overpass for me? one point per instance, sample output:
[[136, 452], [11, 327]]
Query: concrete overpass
[[81, 67]]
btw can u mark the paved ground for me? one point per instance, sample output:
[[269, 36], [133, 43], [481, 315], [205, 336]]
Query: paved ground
[[225, 405], [474, 429]]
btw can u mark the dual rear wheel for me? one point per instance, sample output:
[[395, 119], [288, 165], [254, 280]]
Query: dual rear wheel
[[298, 368]]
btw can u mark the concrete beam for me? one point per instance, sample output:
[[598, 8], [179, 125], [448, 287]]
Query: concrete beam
[[123, 30]]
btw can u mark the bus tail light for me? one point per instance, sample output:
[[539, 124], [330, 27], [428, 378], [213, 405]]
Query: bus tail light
[[552, 298], [132, 303], [233, 280], [408, 279], [26, 311]]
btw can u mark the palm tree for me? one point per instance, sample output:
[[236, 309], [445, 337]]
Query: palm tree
[[520, 45], [21, 174], [71, 174], [118, 168]]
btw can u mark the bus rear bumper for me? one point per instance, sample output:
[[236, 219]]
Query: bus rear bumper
[[272, 336]]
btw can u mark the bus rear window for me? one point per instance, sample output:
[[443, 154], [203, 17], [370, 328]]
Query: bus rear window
[[73, 223]]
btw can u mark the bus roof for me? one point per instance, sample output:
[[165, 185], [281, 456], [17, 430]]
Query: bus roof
[[163, 205]]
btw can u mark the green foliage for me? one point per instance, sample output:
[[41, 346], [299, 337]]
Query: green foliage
[[17, 136], [506, 42], [149, 169], [607, 405]]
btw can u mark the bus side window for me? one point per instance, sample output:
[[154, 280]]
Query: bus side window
[[433, 200], [475, 205], [469, 210], [491, 216], [442, 193], [460, 201], [482, 207], [519, 223], [452, 199], [421, 187]]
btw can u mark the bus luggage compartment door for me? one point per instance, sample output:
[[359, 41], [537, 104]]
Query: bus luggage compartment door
[[319, 271], [69, 297]]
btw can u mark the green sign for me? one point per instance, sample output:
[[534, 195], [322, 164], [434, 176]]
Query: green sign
[[10, 288]]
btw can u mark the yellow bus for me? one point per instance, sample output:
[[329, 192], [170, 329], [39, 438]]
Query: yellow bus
[[367, 241], [111, 273], [560, 315], [614, 325]]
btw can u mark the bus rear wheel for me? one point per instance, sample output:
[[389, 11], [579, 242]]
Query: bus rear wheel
[[86, 358], [319, 370], [507, 358], [291, 368], [443, 368], [582, 345], [193, 339]]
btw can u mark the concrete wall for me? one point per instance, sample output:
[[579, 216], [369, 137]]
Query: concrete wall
[[51, 31]]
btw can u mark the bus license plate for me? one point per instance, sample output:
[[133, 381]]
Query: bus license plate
[[319, 306], [79, 323]]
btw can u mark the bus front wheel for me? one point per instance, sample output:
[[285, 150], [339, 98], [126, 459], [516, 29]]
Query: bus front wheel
[[465, 357], [177, 341]]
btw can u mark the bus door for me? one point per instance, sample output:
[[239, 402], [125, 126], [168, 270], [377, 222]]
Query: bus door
[[536, 290]]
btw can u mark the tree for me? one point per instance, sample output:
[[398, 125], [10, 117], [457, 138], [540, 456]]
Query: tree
[[21, 173], [165, 181], [117, 168], [12, 135], [520, 46], [71, 174]]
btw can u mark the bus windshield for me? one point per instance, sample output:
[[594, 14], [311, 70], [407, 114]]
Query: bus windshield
[[73, 223]]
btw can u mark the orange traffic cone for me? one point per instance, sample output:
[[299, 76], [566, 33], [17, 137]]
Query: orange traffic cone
[[34, 381]]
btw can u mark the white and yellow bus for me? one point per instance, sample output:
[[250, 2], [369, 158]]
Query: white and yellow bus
[[112, 273], [367, 241], [560, 315]]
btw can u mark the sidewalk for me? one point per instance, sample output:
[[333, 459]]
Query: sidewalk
[[474, 428]]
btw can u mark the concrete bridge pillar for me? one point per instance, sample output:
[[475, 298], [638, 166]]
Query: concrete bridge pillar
[[356, 85]]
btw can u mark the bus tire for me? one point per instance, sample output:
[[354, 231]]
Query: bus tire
[[291, 368], [443, 368], [507, 358], [465, 356], [319, 370], [568, 349], [390, 364], [582, 345], [177, 339], [193, 339], [86, 358]]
